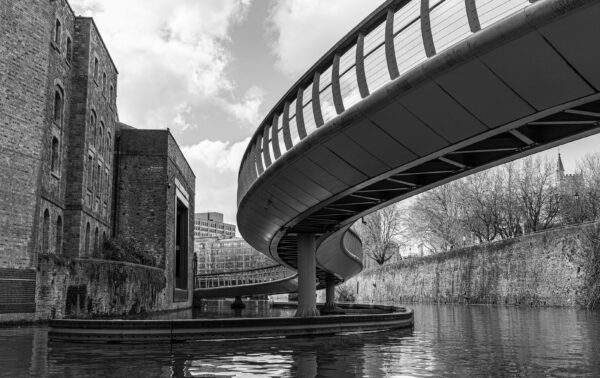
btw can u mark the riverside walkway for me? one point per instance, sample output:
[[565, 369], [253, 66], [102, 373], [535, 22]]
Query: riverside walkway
[[420, 93]]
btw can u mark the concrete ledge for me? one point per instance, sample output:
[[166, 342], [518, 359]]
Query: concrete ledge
[[151, 331]]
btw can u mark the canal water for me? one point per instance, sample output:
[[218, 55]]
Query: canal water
[[447, 340]]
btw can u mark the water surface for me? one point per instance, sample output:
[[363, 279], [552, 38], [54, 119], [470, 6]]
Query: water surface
[[447, 340]]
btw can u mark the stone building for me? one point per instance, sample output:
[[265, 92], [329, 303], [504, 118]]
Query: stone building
[[58, 165]]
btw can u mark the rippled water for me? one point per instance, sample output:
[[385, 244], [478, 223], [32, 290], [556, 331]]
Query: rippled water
[[447, 340]]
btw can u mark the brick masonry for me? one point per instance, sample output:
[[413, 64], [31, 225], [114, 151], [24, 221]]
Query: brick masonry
[[57, 175]]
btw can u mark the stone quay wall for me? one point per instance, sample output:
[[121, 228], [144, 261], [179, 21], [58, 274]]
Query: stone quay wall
[[552, 268], [86, 288]]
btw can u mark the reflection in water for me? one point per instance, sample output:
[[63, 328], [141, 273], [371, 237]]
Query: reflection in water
[[447, 340]]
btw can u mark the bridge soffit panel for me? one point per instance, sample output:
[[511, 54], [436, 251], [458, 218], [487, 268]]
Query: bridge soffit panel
[[584, 27], [440, 112], [479, 90], [540, 75]]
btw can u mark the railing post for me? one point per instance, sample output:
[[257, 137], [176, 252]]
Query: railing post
[[426, 29], [472, 15], [275, 137], [361, 76], [265, 144], [287, 137], [335, 85], [390, 49], [316, 101], [257, 158], [300, 114]]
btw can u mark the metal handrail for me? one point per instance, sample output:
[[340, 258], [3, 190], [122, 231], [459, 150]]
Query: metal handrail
[[237, 278], [422, 28]]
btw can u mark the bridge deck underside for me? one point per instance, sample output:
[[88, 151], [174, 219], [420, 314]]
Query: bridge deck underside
[[505, 92]]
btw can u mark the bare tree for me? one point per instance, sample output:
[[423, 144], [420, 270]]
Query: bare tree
[[509, 224], [434, 218], [482, 205], [380, 232], [537, 193], [589, 189]]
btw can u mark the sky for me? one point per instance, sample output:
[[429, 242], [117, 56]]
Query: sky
[[210, 71]]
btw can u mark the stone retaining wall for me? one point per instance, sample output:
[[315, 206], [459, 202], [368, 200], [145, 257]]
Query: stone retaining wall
[[82, 288], [552, 268]]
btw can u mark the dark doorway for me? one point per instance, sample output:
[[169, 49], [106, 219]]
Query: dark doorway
[[181, 246]]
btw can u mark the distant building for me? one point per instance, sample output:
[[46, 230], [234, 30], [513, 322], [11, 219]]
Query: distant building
[[568, 184], [228, 255], [211, 225]]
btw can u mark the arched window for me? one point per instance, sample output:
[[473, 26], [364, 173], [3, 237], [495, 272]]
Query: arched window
[[55, 153], [69, 51], [95, 68], [103, 82], [111, 94], [101, 139], [96, 242], [57, 31], [59, 235], [92, 124], [90, 171], [58, 106], [46, 232], [87, 240]]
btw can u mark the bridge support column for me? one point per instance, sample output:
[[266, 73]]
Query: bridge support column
[[238, 303], [330, 307], [307, 273]]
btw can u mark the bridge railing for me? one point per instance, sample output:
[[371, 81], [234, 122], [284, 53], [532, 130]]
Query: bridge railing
[[242, 277], [395, 38]]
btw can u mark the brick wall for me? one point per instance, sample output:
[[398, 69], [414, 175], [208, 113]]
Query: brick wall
[[24, 61]]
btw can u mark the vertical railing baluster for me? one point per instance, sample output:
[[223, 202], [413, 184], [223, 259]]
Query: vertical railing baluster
[[316, 101], [472, 16], [300, 114], [336, 90], [275, 137], [361, 76], [259, 163], [426, 29], [265, 144], [390, 49], [287, 138]]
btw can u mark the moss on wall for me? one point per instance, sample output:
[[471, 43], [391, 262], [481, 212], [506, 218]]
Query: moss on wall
[[555, 268], [93, 288]]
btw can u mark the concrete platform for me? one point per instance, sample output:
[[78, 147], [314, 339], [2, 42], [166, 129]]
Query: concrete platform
[[373, 318]]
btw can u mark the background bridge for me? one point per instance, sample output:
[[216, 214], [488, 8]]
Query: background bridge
[[420, 93], [275, 279]]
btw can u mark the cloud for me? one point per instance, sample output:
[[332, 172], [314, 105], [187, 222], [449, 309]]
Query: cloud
[[216, 165], [304, 30], [173, 55], [248, 110]]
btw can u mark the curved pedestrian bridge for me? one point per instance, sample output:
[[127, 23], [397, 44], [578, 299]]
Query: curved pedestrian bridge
[[420, 93], [275, 279]]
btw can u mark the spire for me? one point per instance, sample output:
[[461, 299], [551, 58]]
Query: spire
[[560, 168]]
